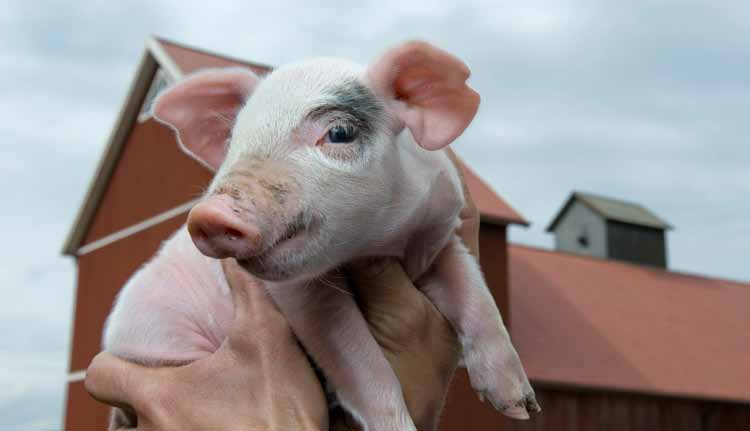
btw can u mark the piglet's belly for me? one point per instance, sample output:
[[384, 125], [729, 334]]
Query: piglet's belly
[[176, 309]]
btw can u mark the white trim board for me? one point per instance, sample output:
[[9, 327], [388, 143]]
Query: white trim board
[[138, 227], [76, 376]]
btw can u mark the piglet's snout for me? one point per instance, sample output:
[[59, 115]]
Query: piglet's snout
[[220, 232]]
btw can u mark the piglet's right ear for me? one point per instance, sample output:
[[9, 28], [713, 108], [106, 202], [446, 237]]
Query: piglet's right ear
[[202, 110]]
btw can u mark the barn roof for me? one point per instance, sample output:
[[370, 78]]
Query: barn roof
[[612, 209], [176, 60], [587, 322]]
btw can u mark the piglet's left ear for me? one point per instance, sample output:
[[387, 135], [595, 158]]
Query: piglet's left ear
[[426, 87], [202, 110]]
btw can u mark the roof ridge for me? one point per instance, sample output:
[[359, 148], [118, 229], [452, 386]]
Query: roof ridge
[[609, 198], [627, 264], [614, 209]]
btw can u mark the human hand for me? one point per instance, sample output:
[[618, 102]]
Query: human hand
[[258, 380]]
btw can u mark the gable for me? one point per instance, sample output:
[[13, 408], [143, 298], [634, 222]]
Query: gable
[[578, 222], [611, 209], [152, 176]]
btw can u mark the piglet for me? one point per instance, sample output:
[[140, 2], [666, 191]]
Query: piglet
[[318, 164]]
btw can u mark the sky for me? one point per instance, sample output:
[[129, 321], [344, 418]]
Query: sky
[[641, 100]]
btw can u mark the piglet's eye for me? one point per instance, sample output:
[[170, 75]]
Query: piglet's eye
[[340, 134]]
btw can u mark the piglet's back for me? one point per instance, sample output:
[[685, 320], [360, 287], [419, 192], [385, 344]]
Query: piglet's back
[[175, 309]]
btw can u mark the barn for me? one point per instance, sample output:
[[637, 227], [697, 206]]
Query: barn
[[608, 344]]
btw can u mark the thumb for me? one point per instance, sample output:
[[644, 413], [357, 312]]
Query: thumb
[[256, 317], [248, 293], [117, 382]]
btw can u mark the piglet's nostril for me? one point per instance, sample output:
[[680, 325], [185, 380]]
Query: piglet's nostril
[[219, 232], [232, 234], [198, 234]]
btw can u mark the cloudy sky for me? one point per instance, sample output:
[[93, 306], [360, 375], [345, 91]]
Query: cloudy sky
[[642, 100]]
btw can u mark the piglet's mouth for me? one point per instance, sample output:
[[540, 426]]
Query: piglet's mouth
[[287, 254], [292, 237]]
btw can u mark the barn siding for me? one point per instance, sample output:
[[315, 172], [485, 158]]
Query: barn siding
[[569, 410], [101, 274], [581, 221], [84, 413], [152, 176], [636, 244], [493, 255]]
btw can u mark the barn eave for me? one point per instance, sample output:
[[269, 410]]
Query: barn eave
[[152, 59]]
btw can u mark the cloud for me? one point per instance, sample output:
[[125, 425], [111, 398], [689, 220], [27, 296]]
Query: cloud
[[66, 71]]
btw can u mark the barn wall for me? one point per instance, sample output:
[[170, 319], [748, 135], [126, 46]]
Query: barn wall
[[636, 244], [83, 413], [101, 273], [152, 176], [140, 189], [567, 410], [580, 220]]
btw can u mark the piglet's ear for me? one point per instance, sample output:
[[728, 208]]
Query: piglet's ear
[[202, 109], [426, 87]]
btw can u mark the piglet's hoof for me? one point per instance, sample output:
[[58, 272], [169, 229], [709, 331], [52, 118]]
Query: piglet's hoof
[[497, 375]]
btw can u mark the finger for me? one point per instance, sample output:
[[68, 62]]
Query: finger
[[256, 316], [116, 382], [249, 294]]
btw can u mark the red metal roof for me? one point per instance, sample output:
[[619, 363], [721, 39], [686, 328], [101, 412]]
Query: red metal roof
[[492, 207], [589, 322]]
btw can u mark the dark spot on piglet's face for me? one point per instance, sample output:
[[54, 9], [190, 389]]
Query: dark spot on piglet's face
[[354, 104]]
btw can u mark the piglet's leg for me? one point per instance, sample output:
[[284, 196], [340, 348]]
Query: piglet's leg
[[457, 288], [325, 318]]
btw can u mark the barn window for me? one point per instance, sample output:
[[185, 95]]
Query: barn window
[[583, 238]]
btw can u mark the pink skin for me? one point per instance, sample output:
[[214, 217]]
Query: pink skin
[[291, 204]]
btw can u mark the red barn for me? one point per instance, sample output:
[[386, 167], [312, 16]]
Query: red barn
[[607, 345]]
